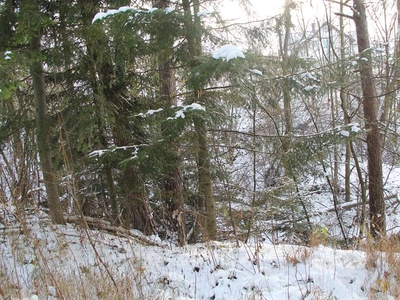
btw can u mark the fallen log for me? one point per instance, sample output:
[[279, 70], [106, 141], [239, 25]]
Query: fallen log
[[106, 225]]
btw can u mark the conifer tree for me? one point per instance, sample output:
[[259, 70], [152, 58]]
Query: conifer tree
[[206, 197]]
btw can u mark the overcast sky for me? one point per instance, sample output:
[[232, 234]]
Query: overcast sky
[[266, 8]]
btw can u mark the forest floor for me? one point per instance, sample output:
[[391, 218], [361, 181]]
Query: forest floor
[[42, 261], [39, 260]]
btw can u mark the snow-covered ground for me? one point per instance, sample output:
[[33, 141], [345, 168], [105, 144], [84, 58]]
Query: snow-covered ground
[[42, 261]]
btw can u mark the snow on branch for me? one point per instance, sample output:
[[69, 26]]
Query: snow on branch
[[228, 52], [181, 113], [110, 12], [101, 152], [149, 113], [203, 13], [255, 71]]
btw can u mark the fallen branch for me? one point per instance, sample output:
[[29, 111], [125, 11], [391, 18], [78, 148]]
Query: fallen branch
[[352, 205], [105, 225]]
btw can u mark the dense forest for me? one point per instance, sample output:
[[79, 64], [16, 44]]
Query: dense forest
[[163, 117]]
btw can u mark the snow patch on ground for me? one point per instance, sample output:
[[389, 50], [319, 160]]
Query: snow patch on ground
[[203, 271]]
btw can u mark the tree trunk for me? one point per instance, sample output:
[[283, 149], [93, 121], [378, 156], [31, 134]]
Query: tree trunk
[[173, 185], [93, 49], [377, 211], [134, 208], [206, 190], [43, 127], [344, 105], [284, 49]]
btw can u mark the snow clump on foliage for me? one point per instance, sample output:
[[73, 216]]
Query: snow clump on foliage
[[227, 52], [255, 71], [181, 113]]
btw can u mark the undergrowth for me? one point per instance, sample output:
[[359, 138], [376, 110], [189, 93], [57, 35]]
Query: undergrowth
[[34, 253]]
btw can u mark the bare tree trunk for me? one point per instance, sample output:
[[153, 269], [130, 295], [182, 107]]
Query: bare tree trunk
[[206, 189], [344, 105], [206, 183], [377, 211], [43, 127], [392, 82]]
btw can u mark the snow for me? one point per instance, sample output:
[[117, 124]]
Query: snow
[[102, 15], [124, 8], [194, 106], [255, 71], [181, 113], [309, 88], [149, 113], [309, 76], [101, 152], [344, 133], [355, 127], [227, 52], [110, 12], [203, 13], [7, 57], [7, 53], [169, 10], [99, 16], [98, 153], [218, 270]]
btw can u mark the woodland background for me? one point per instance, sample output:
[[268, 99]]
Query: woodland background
[[129, 119]]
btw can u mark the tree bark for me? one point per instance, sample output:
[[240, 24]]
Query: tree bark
[[344, 105], [284, 49], [172, 185], [93, 47], [43, 127], [206, 190], [134, 208], [377, 211]]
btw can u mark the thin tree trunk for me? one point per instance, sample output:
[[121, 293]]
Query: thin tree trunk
[[206, 190], [43, 127], [205, 179], [284, 49], [377, 211], [343, 103]]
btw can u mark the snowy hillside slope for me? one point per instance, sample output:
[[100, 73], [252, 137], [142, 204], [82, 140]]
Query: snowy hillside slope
[[43, 261]]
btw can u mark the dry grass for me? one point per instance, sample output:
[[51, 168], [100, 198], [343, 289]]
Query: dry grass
[[31, 265], [298, 255], [383, 264]]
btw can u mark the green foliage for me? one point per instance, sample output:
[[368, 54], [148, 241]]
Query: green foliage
[[143, 32], [308, 151]]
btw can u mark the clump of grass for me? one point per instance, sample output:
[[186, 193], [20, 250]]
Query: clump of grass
[[42, 262], [383, 263], [298, 255]]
